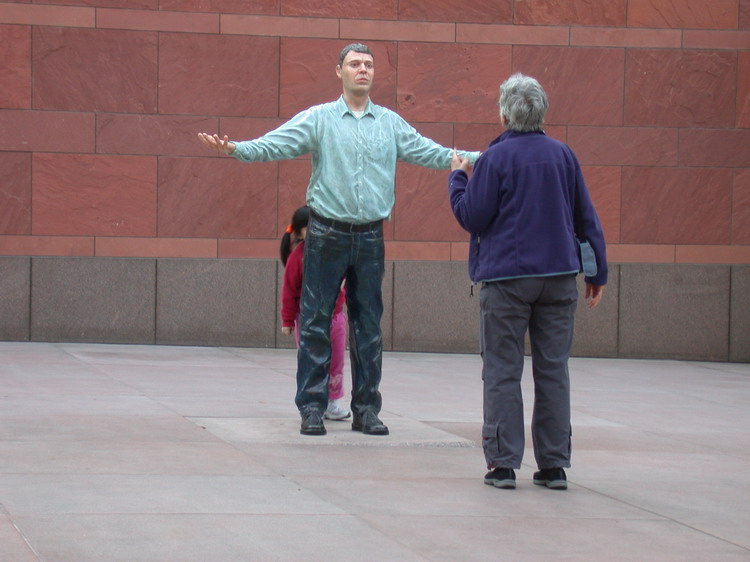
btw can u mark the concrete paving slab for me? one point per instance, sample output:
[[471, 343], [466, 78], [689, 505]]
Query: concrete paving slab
[[285, 431], [120, 452]]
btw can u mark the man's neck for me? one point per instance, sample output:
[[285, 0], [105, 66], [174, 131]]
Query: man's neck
[[356, 103]]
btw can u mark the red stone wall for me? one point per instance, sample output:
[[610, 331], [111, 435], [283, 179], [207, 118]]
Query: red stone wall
[[101, 100]]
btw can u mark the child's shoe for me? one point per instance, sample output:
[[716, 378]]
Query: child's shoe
[[336, 412]]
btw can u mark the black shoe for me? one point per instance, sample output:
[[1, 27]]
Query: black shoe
[[501, 478], [312, 423], [369, 424], [553, 478]]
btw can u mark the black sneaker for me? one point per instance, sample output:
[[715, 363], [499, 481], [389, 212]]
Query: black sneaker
[[312, 423], [501, 478], [553, 478]]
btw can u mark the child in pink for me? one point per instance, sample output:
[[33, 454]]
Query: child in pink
[[292, 251]]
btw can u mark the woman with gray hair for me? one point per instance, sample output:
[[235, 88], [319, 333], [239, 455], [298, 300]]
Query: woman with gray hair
[[527, 209]]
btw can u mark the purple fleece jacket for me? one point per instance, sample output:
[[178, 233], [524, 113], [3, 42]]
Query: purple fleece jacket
[[518, 207]]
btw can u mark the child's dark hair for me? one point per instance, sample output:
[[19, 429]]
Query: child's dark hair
[[293, 233]]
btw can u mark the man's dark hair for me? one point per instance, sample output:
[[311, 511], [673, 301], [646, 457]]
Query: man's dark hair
[[357, 48]]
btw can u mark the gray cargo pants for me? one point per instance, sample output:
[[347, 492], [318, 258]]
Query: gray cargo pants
[[546, 306]]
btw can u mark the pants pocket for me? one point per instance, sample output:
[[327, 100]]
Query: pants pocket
[[490, 442]]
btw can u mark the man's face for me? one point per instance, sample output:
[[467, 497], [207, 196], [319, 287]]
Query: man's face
[[356, 72]]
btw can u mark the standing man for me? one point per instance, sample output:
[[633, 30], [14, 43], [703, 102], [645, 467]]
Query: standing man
[[354, 146], [520, 207]]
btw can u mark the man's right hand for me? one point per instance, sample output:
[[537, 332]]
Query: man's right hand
[[213, 141], [287, 330]]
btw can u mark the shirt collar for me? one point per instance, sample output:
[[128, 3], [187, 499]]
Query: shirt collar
[[343, 109]]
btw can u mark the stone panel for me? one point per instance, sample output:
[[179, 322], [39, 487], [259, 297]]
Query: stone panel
[[381, 30], [739, 324], [626, 37], [624, 146], [702, 14], [680, 88], [238, 128], [573, 12], [217, 198], [15, 298], [47, 245], [216, 302], [94, 70], [86, 194], [476, 136], [676, 205], [596, 329], [478, 11], [422, 210], [744, 14], [425, 69], [22, 13], [15, 66], [584, 84], [433, 309], [506, 34], [294, 175], [158, 21], [743, 89], [152, 134], [99, 300], [674, 311], [259, 7], [604, 185], [308, 73], [741, 207], [245, 70], [133, 4], [376, 9], [15, 193], [712, 147], [47, 131]]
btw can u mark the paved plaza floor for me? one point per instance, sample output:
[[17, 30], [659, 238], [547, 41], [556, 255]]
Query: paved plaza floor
[[156, 453]]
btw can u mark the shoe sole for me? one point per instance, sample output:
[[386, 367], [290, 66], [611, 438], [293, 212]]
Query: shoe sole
[[553, 484], [504, 484], [313, 431], [377, 432]]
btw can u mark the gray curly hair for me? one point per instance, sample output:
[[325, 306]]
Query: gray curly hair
[[523, 103]]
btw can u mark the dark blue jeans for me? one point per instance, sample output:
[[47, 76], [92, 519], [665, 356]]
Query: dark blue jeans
[[332, 256]]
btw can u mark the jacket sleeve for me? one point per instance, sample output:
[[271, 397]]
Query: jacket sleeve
[[592, 230], [475, 201]]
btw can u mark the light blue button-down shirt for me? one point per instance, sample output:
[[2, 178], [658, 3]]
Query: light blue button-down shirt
[[353, 158]]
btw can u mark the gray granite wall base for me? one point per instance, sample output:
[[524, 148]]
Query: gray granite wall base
[[433, 308], [106, 300], [693, 312], [739, 325], [596, 329], [216, 302], [675, 311], [15, 298]]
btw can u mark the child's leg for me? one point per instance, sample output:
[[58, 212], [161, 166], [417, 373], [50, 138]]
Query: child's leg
[[338, 350]]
